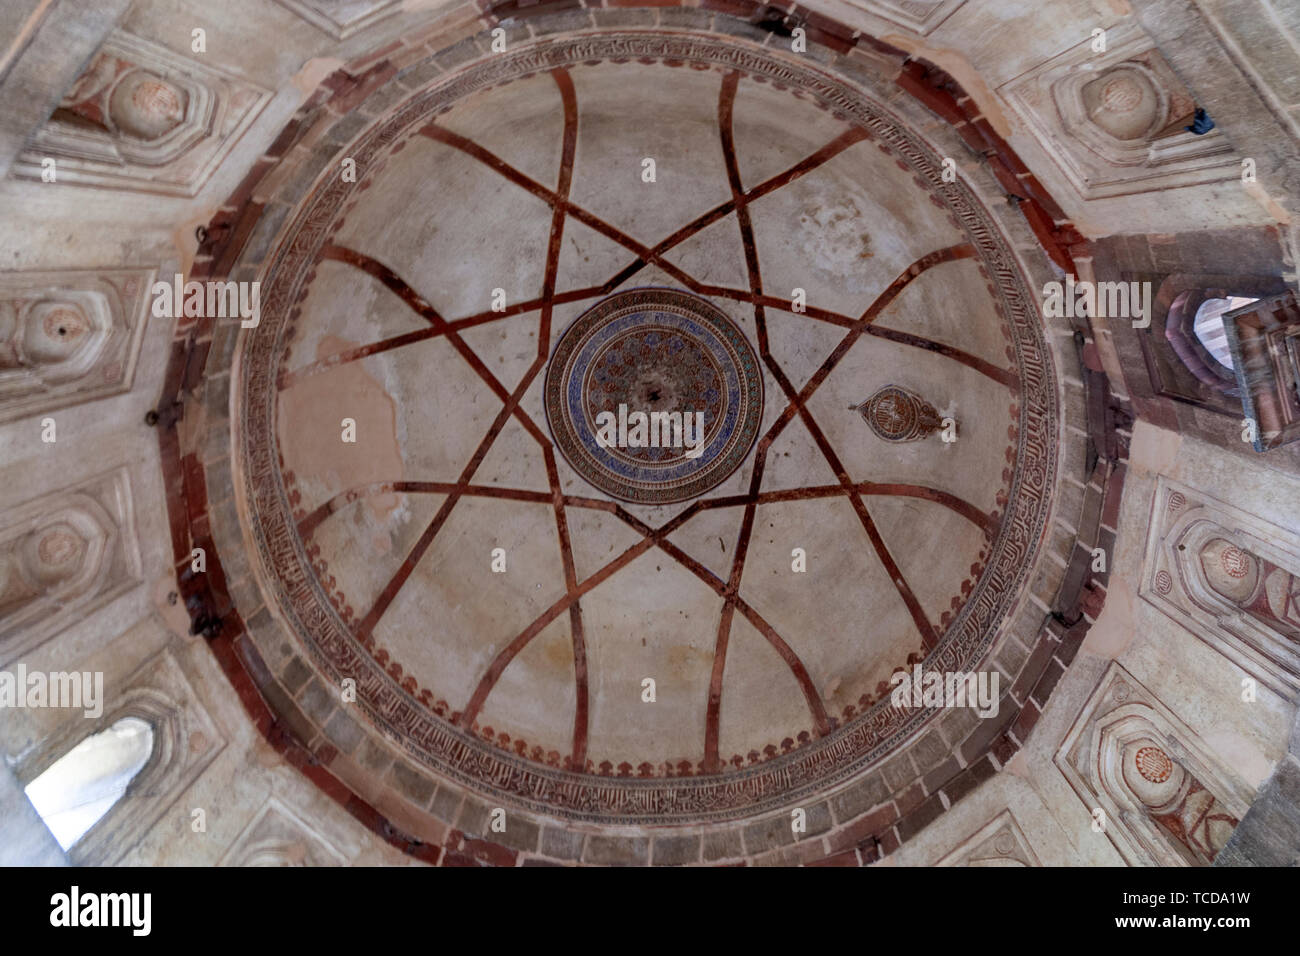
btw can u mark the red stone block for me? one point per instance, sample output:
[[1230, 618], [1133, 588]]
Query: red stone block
[[492, 854], [997, 143], [1003, 749], [429, 853], [1014, 163], [1071, 641], [290, 135], [911, 798], [249, 660], [1092, 599], [364, 85], [224, 260], [940, 775], [196, 495], [1024, 723], [866, 42], [868, 825], [986, 731], [1033, 668], [889, 842], [737, 8], [1045, 229], [1037, 191], [843, 858], [825, 24], [244, 191], [1052, 675], [333, 787], [370, 818], [1114, 492], [969, 779], [916, 821], [179, 530], [830, 40], [972, 137], [1005, 177], [913, 80], [195, 362], [522, 9], [363, 63]]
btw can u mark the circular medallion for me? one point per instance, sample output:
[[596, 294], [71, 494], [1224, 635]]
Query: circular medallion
[[895, 414], [58, 547], [654, 396], [1154, 764], [1236, 563], [1121, 95]]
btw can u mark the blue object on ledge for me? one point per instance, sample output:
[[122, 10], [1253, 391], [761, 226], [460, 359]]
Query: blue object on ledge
[[1201, 123]]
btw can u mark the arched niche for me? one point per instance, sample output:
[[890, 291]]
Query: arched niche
[[184, 741], [83, 785], [1250, 619], [1178, 364], [1166, 798]]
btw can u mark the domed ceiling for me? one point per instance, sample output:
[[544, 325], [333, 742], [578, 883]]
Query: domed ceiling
[[576, 427], [437, 455]]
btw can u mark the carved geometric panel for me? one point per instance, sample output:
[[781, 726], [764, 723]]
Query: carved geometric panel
[[142, 117], [1165, 800], [922, 16], [276, 837], [1000, 842], [62, 556], [342, 18], [68, 337], [1113, 120], [1230, 578]]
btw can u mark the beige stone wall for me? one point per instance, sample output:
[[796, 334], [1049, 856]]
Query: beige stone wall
[[1200, 685], [255, 803]]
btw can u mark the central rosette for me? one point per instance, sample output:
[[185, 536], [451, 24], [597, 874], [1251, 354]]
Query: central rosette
[[654, 395]]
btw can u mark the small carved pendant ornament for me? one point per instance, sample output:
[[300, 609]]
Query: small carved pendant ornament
[[119, 96], [896, 414]]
